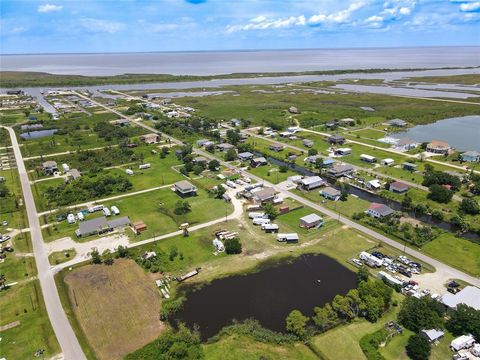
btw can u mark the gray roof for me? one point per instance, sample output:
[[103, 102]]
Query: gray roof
[[49, 163], [398, 122], [331, 191], [311, 219], [75, 173], [184, 185], [340, 168], [118, 222], [311, 180], [471, 153], [259, 159], [382, 209], [245, 154], [93, 225], [470, 296], [265, 194], [336, 137], [433, 334]]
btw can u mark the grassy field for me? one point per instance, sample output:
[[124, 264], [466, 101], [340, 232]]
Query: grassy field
[[458, 252], [11, 207], [272, 173], [470, 79], [24, 303], [117, 307], [241, 347], [59, 257]]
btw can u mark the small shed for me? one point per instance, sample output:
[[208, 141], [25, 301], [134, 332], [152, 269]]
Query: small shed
[[138, 227], [432, 335]]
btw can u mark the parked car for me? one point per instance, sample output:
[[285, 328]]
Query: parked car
[[357, 262], [4, 238]]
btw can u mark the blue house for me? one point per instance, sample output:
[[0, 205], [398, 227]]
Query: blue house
[[471, 156]]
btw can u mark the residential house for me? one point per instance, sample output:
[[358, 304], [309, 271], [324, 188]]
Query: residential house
[[336, 139], [49, 167], [295, 178], [235, 122], [438, 147], [259, 161], [409, 166], [398, 187], [432, 335], [311, 221], [328, 162], [244, 156], [293, 110], [121, 122], [311, 182], [202, 142], [396, 123], [264, 195], [224, 147], [338, 170], [307, 143], [347, 121], [312, 159], [331, 193], [472, 156], [199, 160], [150, 138], [405, 145], [379, 210], [331, 125], [185, 188], [374, 184], [276, 147], [100, 225], [343, 151]]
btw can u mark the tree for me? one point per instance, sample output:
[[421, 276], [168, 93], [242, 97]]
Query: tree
[[181, 207], [318, 163], [233, 246], [283, 168], [197, 169], [181, 344], [312, 152], [296, 324], [325, 317], [459, 222], [362, 274], [407, 202], [464, 319], [122, 251], [342, 306], [4, 192], [107, 257], [230, 155], [96, 258], [470, 206], [418, 348], [219, 191], [233, 136], [439, 194], [270, 210], [213, 165], [373, 308], [418, 314]]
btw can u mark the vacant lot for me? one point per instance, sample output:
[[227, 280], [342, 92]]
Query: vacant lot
[[117, 307]]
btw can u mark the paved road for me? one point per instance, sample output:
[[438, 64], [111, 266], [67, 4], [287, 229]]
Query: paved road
[[66, 337]]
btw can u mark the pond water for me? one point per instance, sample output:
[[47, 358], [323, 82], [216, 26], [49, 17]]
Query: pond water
[[463, 133], [268, 296], [37, 134]]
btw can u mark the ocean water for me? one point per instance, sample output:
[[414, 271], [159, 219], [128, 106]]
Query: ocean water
[[225, 62]]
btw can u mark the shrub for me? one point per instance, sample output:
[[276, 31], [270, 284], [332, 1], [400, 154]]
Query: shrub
[[233, 246], [371, 342], [418, 348]]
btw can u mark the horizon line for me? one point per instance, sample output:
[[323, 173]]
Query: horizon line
[[240, 50]]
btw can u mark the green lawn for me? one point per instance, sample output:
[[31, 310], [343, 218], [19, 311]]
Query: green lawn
[[272, 173], [16, 268], [59, 257], [457, 252], [24, 303], [241, 347], [11, 207]]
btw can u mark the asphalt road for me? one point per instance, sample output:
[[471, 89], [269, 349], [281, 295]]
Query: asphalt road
[[66, 337]]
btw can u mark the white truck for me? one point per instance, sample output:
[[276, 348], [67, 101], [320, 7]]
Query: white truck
[[80, 216], [71, 219], [106, 212], [115, 210]]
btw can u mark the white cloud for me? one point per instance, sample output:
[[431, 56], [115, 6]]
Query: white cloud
[[263, 23], [46, 8], [374, 18], [102, 26], [474, 6]]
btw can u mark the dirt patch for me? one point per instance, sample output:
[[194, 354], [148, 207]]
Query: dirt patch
[[117, 307]]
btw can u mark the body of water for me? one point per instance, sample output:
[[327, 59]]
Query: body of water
[[463, 133], [268, 296], [225, 62], [37, 134]]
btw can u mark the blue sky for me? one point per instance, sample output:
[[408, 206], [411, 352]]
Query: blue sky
[[32, 26]]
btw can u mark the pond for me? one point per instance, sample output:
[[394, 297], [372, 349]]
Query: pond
[[268, 295], [37, 134], [460, 132]]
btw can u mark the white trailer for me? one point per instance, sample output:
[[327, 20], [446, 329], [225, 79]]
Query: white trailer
[[261, 221], [115, 210], [144, 166], [80, 216], [106, 212], [65, 167], [71, 219]]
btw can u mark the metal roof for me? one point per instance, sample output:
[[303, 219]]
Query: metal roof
[[310, 219], [470, 296]]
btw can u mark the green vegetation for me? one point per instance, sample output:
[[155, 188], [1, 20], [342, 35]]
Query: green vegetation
[[470, 79], [371, 342], [59, 257]]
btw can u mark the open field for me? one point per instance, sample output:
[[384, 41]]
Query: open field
[[470, 79], [241, 347], [272, 173], [24, 303], [59, 257], [11, 206], [117, 307]]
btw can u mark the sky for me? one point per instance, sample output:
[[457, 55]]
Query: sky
[[74, 26]]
